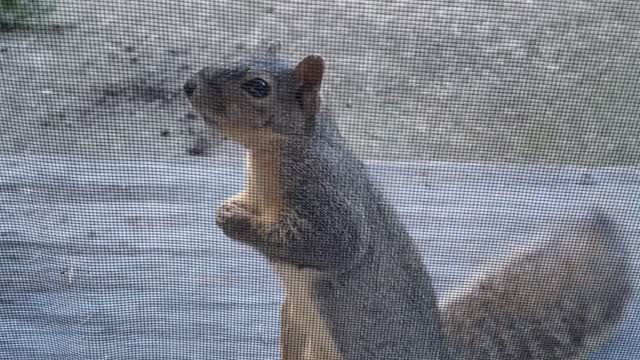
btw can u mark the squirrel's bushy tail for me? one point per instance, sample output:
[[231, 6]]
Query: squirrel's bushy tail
[[557, 301]]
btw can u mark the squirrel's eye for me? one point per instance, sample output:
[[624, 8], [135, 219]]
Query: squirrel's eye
[[258, 88]]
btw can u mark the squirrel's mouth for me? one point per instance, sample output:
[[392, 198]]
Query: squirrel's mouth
[[209, 108], [213, 114]]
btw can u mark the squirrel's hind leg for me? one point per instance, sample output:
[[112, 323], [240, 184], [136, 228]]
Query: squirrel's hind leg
[[292, 339]]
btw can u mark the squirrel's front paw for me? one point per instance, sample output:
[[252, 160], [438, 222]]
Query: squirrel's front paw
[[235, 218]]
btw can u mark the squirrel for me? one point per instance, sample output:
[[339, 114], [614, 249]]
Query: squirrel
[[355, 286]]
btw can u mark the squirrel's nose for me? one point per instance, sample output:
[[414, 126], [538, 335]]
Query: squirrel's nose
[[190, 87]]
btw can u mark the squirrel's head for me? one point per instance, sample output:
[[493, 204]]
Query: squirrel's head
[[259, 102]]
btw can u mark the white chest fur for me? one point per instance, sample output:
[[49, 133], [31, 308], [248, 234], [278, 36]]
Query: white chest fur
[[303, 315]]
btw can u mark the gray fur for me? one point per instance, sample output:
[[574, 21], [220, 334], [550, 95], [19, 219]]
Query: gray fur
[[373, 292], [556, 301], [376, 295]]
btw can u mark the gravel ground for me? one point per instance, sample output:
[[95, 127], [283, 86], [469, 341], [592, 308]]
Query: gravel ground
[[523, 81], [122, 260]]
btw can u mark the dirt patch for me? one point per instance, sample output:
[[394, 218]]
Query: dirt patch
[[466, 81]]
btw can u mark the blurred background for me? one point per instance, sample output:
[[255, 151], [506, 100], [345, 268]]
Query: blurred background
[[516, 81]]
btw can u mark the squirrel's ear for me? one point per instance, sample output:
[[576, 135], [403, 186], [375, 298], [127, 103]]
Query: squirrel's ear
[[309, 73], [310, 70]]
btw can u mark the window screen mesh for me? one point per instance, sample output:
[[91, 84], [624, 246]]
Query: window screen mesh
[[480, 122]]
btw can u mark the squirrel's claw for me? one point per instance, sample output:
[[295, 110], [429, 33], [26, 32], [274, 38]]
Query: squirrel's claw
[[235, 218]]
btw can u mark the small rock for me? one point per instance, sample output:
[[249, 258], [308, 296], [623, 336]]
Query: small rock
[[200, 147], [177, 52], [190, 116], [195, 151], [59, 27], [111, 91]]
